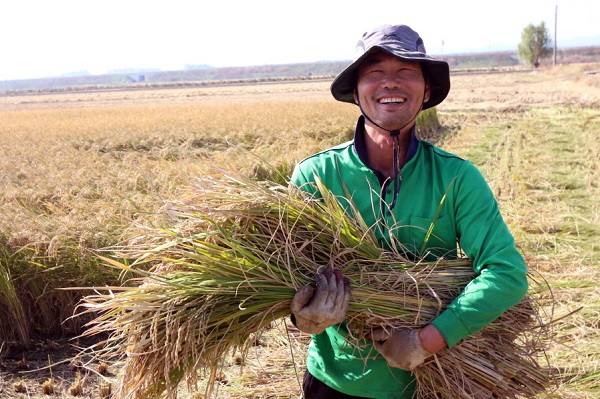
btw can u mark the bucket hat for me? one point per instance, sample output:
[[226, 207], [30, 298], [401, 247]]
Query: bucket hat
[[404, 43]]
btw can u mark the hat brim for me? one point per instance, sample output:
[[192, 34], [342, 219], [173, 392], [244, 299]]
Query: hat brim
[[437, 71]]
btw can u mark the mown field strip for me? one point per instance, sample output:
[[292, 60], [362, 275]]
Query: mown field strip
[[543, 166]]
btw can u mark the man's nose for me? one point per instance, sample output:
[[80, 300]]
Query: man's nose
[[391, 81]]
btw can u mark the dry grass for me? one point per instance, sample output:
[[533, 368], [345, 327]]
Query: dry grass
[[95, 171], [76, 170], [232, 263], [544, 167]]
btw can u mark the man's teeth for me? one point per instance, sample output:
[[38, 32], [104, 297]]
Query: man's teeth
[[391, 100]]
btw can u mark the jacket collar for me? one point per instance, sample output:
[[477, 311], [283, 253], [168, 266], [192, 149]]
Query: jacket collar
[[361, 148]]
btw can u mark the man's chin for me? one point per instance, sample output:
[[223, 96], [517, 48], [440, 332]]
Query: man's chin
[[394, 126]]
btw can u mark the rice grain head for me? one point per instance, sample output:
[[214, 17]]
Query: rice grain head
[[231, 264]]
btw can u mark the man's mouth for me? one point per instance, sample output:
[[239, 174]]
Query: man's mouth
[[391, 100]]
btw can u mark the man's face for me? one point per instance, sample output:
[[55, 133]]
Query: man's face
[[391, 90]]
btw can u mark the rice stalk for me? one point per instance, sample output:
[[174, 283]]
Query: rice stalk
[[14, 314], [231, 265]]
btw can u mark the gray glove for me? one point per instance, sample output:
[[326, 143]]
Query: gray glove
[[401, 347], [316, 308]]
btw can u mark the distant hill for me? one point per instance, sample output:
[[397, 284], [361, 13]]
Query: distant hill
[[319, 70], [589, 41]]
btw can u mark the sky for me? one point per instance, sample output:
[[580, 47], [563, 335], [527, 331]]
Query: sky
[[42, 38]]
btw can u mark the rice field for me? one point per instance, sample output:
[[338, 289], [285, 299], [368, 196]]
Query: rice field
[[86, 171]]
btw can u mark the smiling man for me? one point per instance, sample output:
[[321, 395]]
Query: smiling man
[[401, 185]]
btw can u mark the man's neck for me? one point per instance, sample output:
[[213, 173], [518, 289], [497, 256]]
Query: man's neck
[[379, 144]]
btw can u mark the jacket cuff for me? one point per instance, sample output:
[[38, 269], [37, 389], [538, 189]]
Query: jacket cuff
[[451, 327]]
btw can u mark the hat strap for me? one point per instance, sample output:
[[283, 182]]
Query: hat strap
[[395, 134]]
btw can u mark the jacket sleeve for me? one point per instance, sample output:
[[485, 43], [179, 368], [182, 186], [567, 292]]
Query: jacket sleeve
[[303, 180], [501, 273]]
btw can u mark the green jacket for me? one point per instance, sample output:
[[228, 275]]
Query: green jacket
[[469, 215]]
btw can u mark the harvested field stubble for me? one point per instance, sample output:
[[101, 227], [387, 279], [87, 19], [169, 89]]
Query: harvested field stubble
[[80, 171]]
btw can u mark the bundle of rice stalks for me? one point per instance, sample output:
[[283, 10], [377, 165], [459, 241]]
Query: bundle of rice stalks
[[239, 252]]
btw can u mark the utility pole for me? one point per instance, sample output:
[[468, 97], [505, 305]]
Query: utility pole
[[555, 23]]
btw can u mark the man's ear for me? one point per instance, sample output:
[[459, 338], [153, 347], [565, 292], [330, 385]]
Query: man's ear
[[355, 95], [427, 92]]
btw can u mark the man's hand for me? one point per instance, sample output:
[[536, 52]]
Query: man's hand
[[315, 309], [401, 347]]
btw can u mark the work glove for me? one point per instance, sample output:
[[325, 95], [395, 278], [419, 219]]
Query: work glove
[[401, 347], [317, 307]]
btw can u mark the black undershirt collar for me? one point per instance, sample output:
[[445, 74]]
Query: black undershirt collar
[[361, 148]]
